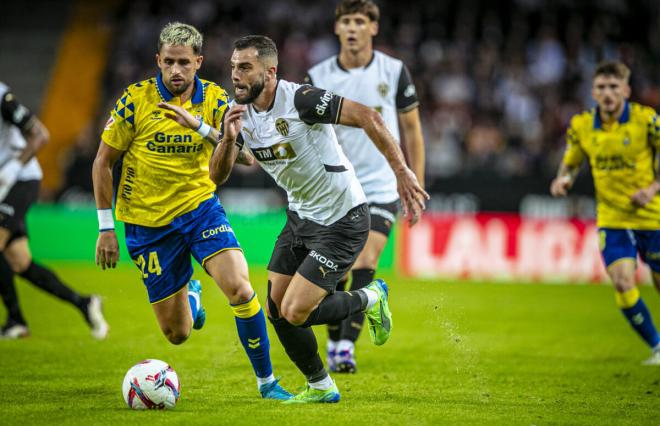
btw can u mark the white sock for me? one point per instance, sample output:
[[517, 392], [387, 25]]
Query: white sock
[[372, 298], [323, 384], [265, 380], [331, 345], [656, 348], [345, 345]]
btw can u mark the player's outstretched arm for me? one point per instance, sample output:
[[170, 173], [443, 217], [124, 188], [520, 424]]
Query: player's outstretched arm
[[185, 119], [413, 142], [107, 247], [413, 197]]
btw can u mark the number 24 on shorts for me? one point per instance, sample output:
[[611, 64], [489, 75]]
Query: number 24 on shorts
[[152, 268]]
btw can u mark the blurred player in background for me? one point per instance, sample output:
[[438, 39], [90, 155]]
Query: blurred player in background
[[620, 139], [168, 202], [372, 78], [287, 127], [21, 136]]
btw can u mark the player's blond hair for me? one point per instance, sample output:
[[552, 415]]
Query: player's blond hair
[[178, 34]]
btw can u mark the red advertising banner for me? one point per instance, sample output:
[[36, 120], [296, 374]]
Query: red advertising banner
[[506, 247]]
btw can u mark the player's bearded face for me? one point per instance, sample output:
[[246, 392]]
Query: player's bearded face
[[248, 75], [246, 93], [178, 65], [355, 31], [610, 93]]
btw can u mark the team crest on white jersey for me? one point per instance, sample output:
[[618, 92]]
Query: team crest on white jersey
[[383, 89], [282, 127]]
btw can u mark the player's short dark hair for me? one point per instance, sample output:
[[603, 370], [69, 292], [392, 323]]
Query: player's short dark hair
[[613, 68], [365, 7], [264, 45]]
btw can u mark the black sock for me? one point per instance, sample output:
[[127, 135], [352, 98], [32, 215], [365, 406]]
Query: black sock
[[335, 328], [46, 280], [351, 326], [8, 293], [336, 307], [301, 347]]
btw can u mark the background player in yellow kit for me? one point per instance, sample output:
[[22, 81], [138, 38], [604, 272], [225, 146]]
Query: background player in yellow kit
[[620, 139], [167, 201]]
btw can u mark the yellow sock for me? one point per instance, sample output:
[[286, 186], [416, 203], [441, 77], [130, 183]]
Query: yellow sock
[[628, 298], [247, 309]]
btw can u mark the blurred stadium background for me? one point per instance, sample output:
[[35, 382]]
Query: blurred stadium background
[[498, 82]]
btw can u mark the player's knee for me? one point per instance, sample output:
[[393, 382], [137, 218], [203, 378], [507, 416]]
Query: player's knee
[[295, 315], [176, 336], [623, 283], [367, 261], [19, 265], [241, 295], [238, 290]]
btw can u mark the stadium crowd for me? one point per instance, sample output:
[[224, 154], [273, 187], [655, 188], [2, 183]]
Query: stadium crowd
[[498, 81]]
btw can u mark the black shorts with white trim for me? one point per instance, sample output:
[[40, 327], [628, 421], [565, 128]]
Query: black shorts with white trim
[[15, 206], [383, 216], [321, 254]]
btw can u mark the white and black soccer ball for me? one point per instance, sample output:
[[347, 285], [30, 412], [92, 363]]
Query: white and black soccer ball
[[151, 385]]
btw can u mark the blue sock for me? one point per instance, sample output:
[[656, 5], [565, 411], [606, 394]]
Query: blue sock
[[638, 315], [251, 326], [193, 299]]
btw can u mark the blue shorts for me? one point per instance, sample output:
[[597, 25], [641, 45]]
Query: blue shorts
[[162, 254], [618, 244]]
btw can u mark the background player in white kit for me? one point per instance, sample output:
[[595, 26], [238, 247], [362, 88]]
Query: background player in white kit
[[21, 136], [286, 126], [373, 78]]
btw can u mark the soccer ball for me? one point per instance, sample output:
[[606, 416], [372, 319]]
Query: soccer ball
[[151, 385]]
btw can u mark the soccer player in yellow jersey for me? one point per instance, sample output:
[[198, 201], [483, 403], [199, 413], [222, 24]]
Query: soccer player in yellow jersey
[[167, 201], [620, 139]]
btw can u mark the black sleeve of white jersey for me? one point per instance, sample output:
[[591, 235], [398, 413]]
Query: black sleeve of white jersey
[[316, 105], [239, 139], [406, 95], [15, 113]]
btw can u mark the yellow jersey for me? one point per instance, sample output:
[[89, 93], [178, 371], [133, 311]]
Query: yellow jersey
[[622, 156], [165, 167]]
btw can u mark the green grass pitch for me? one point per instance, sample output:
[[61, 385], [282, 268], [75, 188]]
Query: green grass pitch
[[460, 353]]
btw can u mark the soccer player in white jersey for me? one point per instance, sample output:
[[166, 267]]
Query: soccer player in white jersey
[[22, 134], [287, 127], [373, 78]]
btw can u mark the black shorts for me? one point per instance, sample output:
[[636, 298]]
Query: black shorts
[[14, 208], [321, 254], [383, 216]]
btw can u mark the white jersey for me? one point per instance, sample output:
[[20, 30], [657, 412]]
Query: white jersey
[[295, 143], [12, 141], [385, 85]]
